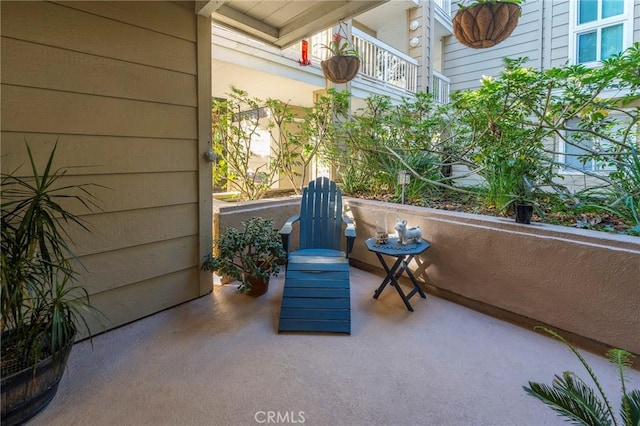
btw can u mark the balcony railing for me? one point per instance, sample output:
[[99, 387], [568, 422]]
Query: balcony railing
[[440, 88], [384, 63], [380, 62]]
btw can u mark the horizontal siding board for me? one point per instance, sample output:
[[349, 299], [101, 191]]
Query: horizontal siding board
[[27, 109], [120, 230], [559, 57], [83, 32], [130, 192], [478, 65], [636, 22], [114, 193], [163, 17], [128, 303], [46, 67], [109, 270], [99, 154], [465, 66], [559, 41]]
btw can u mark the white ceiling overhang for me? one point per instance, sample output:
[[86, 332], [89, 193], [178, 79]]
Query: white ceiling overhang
[[283, 23]]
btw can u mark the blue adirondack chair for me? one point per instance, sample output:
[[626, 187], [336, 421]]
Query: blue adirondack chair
[[316, 291]]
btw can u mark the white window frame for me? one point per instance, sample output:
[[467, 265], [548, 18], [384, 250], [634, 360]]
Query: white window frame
[[626, 18], [597, 167]]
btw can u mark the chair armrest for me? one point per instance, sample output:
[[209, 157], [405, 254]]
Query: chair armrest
[[351, 228], [286, 230], [350, 233]]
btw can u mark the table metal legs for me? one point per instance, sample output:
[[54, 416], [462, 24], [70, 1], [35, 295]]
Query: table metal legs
[[401, 265]]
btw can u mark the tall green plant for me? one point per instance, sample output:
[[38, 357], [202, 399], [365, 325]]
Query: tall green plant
[[574, 399], [384, 138], [309, 136], [236, 121], [505, 140], [41, 306]]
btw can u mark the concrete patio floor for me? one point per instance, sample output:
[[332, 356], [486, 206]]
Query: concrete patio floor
[[219, 360]]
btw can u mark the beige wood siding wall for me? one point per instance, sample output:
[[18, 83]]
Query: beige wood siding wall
[[636, 22], [466, 66], [422, 53], [117, 85]]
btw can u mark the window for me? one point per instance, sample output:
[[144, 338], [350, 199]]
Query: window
[[601, 29], [573, 153]]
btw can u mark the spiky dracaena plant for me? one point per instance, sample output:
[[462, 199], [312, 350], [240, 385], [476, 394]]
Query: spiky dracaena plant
[[40, 305], [574, 399]]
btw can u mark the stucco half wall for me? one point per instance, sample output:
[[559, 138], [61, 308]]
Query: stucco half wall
[[582, 282]]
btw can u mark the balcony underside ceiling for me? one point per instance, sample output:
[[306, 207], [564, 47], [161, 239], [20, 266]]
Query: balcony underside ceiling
[[283, 23]]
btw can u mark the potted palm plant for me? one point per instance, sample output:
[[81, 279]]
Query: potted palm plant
[[42, 307], [485, 23], [523, 201], [344, 63], [571, 397], [250, 255]]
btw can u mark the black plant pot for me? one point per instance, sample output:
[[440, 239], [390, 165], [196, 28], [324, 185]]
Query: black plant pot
[[523, 213], [26, 392]]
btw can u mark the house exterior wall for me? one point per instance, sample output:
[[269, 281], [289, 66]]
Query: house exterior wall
[[466, 66], [422, 51], [557, 21], [394, 34], [124, 87], [542, 35], [636, 22]]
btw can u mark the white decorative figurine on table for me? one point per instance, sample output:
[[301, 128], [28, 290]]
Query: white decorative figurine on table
[[407, 235]]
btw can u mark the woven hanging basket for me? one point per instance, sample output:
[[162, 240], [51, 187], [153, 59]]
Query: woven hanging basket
[[485, 24], [340, 69]]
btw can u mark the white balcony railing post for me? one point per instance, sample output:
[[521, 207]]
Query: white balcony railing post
[[384, 63]]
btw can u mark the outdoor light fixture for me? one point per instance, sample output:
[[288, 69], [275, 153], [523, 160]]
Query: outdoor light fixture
[[210, 154], [414, 25], [414, 42]]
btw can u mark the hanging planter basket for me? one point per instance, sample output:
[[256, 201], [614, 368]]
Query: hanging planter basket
[[340, 69], [485, 24]]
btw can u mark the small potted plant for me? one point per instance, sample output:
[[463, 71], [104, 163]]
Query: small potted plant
[[523, 202], [41, 305], [250, 255], [485, 23], [344, 63]]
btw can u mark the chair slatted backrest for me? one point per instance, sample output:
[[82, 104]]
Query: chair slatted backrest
[[321, 215]]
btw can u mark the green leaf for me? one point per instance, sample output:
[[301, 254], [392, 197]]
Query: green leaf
[[572, 398]]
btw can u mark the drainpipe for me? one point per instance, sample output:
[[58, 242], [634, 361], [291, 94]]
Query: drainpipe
[[432, 34], [541, 11]]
